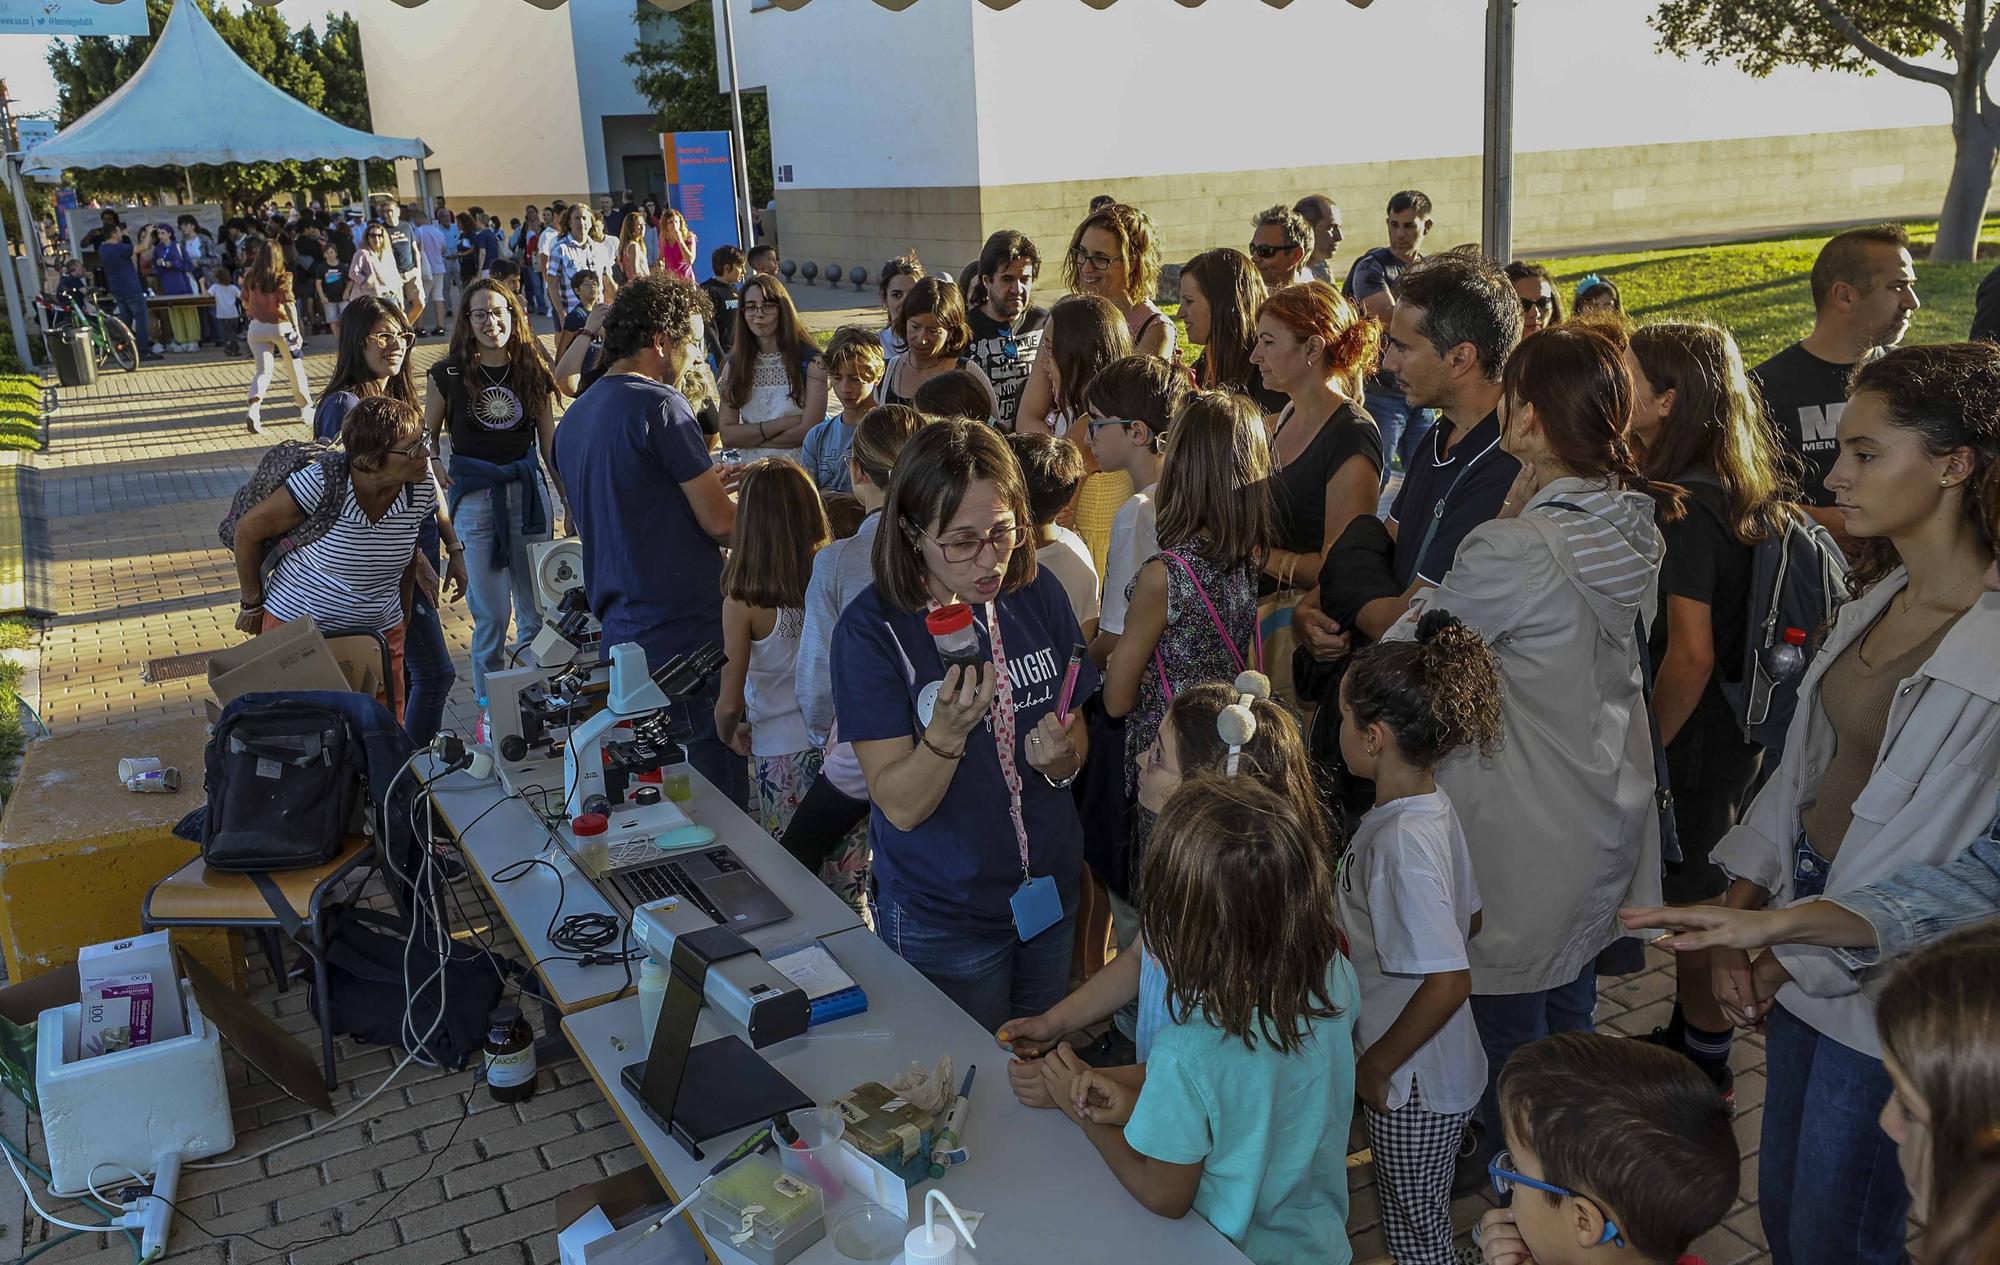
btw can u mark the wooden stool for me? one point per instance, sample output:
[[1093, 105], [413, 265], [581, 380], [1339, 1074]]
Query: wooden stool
[[196, 896]]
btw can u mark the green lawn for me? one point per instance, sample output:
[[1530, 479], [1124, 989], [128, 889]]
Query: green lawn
[[1759, 289], [20, 410]]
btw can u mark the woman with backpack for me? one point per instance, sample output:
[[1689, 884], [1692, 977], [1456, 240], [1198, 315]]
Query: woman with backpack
[[1697, 423], [362, 509], [373, 358]]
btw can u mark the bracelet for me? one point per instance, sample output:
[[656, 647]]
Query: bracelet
[[250, 608], [940, 752], [1065, 783], [456, 547]]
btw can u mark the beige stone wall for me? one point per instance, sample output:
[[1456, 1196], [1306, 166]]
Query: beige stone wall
[[1563, 199]]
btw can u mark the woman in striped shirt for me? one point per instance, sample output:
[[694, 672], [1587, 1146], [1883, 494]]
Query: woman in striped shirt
[[360, 572]]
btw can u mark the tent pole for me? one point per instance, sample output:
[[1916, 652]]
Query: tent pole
[[1497, 178], [361, 165], [187, 183], [31, 229], [11, 281], [423, 186], [745, 218]]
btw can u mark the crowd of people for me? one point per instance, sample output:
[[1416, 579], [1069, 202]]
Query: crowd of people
[[1047, 637]]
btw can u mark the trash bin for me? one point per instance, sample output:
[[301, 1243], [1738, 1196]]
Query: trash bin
[[76, 363]]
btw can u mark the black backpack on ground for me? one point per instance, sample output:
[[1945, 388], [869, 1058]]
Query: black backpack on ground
[[283, 781], [1798, 580], [368, 988]]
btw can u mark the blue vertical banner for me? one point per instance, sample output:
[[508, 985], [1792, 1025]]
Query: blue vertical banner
[[701, 185]]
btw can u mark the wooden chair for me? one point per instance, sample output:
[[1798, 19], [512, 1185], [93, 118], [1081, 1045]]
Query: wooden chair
[[196, 896]]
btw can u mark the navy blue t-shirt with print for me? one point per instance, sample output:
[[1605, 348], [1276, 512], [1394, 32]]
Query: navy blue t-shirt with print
[[489, 241], [653, 575], [962, 864]]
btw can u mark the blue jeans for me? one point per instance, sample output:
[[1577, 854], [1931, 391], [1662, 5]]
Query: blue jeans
[[992, 977], [1403, 428], [427, 666], [535, 291], [132, 310], [1829, 1189], [1508, 1021], [498, 593]]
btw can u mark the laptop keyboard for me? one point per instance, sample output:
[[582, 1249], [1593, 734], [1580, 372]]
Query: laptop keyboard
[[657, 882]]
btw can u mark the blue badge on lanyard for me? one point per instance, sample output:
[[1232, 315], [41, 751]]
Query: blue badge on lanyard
[[1037, 907]]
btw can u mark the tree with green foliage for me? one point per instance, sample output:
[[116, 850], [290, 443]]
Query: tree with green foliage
[[675, 60], [1907, 38], [323, 71]]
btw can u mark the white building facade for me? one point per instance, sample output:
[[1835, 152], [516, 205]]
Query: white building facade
[[929, 128]]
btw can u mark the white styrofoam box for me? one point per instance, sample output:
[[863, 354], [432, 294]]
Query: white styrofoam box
[[131, 1107]]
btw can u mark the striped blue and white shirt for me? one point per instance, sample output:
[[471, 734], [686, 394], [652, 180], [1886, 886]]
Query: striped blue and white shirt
[[350, 578]]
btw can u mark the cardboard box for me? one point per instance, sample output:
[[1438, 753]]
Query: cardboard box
[[149, 956], [293, 656]]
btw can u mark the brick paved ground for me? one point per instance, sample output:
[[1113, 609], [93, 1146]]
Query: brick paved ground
[[138, 471]]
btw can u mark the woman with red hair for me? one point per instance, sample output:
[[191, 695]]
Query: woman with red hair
[[1326, 452]]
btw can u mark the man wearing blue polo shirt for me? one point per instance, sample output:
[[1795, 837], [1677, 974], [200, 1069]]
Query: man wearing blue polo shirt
[[647, 502]]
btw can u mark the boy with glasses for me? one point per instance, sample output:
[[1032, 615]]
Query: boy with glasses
[[1618, 1153]]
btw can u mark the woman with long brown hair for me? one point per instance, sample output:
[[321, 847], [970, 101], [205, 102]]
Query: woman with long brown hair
[[1221, 292], [1892, 761], [493, 393], [1697, 423], [273, 331], [631, 259], [1564, 818], [774, 383]]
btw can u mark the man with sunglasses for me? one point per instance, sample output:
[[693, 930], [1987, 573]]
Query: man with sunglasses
[[1280, 239], [1371, 283]]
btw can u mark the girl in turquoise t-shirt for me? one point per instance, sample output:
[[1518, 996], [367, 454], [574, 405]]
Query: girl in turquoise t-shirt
[[1249, 1089]]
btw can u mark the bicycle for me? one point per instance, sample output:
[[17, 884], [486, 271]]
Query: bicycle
[[110, 338]]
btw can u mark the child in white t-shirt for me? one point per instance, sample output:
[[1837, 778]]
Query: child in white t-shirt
[[1408, 904], [228, 298], [1131, 403]]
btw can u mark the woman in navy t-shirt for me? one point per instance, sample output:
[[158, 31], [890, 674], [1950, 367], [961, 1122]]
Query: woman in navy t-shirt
[[978, 846]]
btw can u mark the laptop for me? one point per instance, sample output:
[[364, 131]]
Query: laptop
[[714, 880]]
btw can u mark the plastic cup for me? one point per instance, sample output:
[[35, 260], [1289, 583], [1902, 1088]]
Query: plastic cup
[[816, 1158], [675, 783]]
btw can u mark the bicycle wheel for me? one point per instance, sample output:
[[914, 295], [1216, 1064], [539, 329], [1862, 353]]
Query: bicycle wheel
[[120, 345]]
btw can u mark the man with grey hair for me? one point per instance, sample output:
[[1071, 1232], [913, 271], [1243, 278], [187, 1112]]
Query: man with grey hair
[[1323, 214], [1279, 242]]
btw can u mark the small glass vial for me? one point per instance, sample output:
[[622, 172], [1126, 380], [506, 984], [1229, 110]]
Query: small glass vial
[[510, 1055], [957, 641]]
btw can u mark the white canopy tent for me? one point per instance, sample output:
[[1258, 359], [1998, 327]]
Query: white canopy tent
[[195, 102]]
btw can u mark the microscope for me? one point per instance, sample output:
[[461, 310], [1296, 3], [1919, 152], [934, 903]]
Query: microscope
[[638, 731]]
